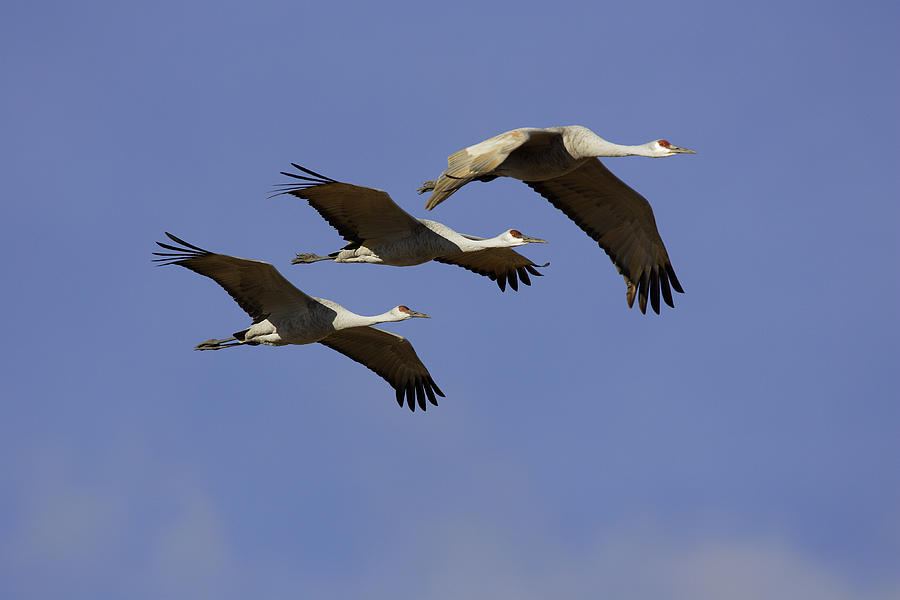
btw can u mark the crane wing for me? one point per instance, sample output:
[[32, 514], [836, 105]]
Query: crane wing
[[622, 222], [480, 160], [498, 264], [256, 286], [392, 357], [358, 213]]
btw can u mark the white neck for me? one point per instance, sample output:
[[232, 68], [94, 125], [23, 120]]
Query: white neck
[[348, 319], [584, 143], [499, 241]]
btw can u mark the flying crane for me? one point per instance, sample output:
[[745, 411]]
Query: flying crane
[[560, 163], [282, 315], [380, 232]]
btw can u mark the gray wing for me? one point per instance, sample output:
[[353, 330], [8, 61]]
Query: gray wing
[[622, 222], [480, 160], [498, 264], [256, 286], [358, 213], [392, 357]]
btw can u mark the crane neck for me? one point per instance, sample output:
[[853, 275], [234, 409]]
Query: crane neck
[[349, 319], [584, 143], [469, 245], [494, 242], [601, 147]]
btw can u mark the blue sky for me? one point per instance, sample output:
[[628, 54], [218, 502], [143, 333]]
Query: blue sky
[[741, 445]]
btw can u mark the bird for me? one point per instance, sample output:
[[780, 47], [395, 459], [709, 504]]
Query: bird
[[560, 163], [282, 314], [380, 232]]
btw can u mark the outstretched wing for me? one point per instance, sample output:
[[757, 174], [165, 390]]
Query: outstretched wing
[[392, 357], [358, 213], [622, 222], [480, 160], [498, 264], [256, 286]]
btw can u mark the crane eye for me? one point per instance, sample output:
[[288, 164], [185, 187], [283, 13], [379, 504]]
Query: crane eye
[[402, 308], [663, 143], [515, 233]]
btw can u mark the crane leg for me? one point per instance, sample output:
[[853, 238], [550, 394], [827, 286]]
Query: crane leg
[[215, 344], [309, 258]]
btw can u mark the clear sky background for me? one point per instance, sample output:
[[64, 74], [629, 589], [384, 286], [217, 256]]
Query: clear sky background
[[742, 445]]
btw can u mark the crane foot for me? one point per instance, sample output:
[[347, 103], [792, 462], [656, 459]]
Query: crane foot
[[215, 344], [306, 258], [427, 186]]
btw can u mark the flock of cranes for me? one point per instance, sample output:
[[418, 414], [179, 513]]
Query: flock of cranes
[[560, 163]]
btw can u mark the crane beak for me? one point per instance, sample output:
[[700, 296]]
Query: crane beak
[[679, 150], [413, 313], [532, 240]]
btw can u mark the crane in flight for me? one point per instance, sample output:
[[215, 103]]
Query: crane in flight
[[382, 233], [283, 315], [560, 163]]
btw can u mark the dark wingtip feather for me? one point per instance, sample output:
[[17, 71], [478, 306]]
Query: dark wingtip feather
[[184, 243], [437, 390], [666, 291], [675, 284], [654, 289], [430, 392], [420, 395], [399, 396], [295, 176], [411, 396], [501, 281], [297, 189], [513, 280], [171, 247], [523, 275], [178, 254], [642, 292], [313, 173]]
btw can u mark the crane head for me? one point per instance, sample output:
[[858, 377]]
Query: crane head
[[404, 312], [514, 237], [666, 148]]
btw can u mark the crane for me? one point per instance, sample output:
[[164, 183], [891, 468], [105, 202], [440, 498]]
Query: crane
[[282, 314], [560, 163], [380, 232]]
